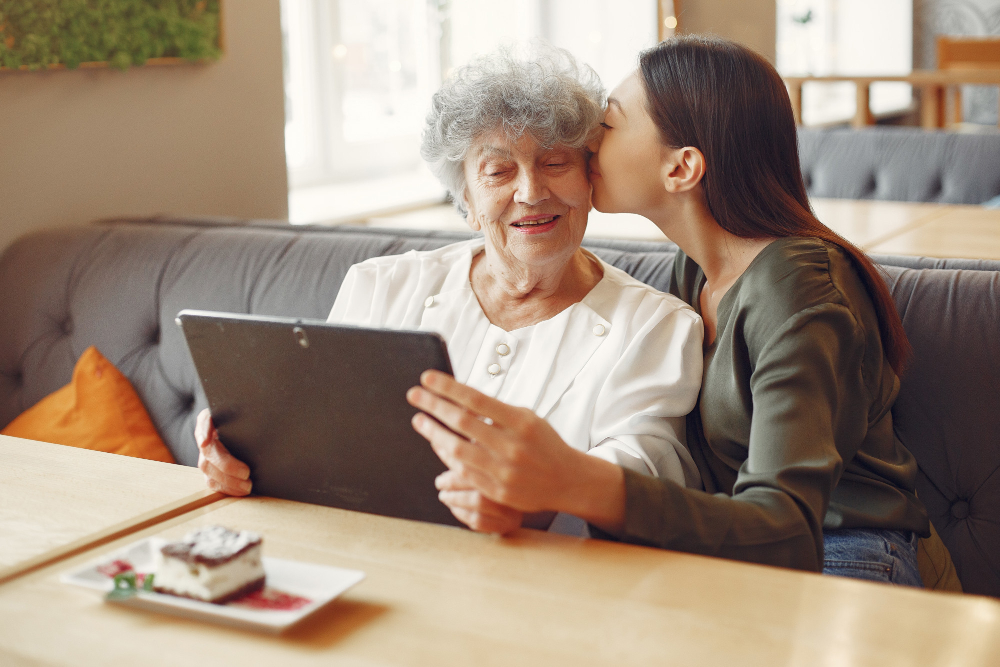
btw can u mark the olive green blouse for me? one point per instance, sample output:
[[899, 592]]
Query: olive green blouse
[[793, 430]]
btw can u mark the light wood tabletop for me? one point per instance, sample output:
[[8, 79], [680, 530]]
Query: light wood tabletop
[[969, 232], [444, 596], [868, 222], [57, 500], [958, 230]]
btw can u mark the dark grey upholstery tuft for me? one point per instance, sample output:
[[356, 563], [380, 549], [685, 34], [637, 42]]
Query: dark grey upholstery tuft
[[118, 286], [904, 164]]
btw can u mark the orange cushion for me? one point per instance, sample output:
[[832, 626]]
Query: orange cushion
[[97, 410]]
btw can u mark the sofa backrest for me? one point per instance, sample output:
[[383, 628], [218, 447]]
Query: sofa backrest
[[904, 164], [119, 286], [948, 409]]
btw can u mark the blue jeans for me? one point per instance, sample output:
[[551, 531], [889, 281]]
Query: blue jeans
[[873, 554]]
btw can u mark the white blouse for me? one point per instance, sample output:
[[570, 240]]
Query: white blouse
[[614, 374]]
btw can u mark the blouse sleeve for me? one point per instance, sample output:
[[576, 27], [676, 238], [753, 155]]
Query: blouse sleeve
[[382, 292], [810, 408], [353, 304], [640, 412]]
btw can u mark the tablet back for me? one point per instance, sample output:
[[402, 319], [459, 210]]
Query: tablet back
[[318, 411]]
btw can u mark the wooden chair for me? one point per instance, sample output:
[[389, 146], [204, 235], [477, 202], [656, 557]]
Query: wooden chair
[[966, 53]]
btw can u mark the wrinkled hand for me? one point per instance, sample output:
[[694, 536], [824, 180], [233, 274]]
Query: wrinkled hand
[[502, 460], [223, 471]]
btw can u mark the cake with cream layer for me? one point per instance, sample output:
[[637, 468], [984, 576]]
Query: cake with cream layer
[[213, 564]]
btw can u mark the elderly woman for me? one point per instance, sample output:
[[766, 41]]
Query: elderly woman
[[530, 318]]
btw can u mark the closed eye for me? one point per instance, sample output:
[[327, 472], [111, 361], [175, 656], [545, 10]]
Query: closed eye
[[605, 126]]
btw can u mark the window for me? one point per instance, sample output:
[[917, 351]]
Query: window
[[359, 75], [818, 37]]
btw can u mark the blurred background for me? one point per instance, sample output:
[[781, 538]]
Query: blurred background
[[359, 73], [313, 113]]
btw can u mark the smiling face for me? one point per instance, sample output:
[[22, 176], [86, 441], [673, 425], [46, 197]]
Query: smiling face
[[530, 202], [626, 168]]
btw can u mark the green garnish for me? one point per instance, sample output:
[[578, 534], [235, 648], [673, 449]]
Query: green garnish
[[125, 586]]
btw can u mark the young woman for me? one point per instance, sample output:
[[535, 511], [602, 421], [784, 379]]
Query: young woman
[[803, 348]]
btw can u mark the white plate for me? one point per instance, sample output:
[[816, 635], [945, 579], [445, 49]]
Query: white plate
[[317, 584]]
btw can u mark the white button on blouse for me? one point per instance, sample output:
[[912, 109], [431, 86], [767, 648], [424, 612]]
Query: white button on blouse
[[503, 350], [493, 369]]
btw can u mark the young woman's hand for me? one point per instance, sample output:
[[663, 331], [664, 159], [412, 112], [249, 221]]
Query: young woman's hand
[[223, 471], [500, 455]]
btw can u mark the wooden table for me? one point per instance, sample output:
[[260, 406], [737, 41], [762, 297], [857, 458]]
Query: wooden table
[[933, 84], [437, 595], [57, 500], [866, 223], [444, 596], [967, 232], [951, 230]]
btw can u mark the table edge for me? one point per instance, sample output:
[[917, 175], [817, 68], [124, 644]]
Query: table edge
[[117, 531]]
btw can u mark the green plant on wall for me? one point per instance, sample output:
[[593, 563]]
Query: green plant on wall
[[39, 33]]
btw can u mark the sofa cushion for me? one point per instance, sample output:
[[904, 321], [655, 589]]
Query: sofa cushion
[[97, 410]]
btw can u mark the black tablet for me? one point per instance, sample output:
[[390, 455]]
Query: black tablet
[[318, 411]]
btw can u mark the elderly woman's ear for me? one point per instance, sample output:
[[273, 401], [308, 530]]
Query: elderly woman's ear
[[471, 219]]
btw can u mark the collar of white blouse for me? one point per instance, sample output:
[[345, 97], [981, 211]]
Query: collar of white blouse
[[559, 349]]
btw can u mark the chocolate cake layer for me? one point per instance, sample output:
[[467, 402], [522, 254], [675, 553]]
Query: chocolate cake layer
[[212, 545]]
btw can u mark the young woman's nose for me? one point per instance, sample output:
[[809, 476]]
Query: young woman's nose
[[531, 188]]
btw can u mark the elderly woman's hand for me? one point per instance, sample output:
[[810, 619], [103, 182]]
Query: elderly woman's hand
[[473, 508], [223, 471], [506, 458]]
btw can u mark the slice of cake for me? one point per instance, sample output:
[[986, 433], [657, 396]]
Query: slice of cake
[[213, 564]]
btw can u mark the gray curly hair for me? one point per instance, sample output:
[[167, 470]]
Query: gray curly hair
[[542, 91]]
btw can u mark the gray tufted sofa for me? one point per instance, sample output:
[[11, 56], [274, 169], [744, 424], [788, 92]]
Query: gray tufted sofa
[[900, 163], [119, 284]]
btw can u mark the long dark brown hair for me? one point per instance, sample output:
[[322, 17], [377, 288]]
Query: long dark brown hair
[[731, 104]]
